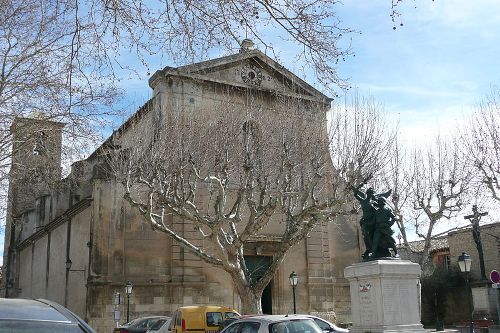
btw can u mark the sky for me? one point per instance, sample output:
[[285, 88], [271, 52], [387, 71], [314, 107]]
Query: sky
[[428, 73], [432, 70]]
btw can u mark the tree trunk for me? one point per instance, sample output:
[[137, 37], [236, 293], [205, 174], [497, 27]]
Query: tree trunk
[[250, 302], [250, 297]]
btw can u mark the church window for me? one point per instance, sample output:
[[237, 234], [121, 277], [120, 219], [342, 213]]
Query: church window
[[39, 148]]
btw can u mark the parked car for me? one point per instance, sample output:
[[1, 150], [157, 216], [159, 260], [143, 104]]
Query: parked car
[[40, 316], [328, 327], [273, 324], [140, 325], [161, 326], [200, 319]]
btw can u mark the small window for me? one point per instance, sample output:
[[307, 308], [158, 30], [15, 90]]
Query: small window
[[214, 318], [279, 328], [158, 324], [447, 262], [323, 325], [234, 328], [39, 145], [249, 327]]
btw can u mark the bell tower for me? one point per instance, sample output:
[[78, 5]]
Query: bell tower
[[36, 161], [35, 168]]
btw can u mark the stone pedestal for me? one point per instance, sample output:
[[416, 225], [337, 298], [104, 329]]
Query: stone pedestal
[[385, 296], [484, 301]]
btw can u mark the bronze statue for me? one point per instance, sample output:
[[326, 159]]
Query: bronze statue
[[382, 236], [376, 223], [367, 220]]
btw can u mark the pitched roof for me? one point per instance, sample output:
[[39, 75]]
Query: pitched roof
[[201, 69], [207, 66], [437, 244]]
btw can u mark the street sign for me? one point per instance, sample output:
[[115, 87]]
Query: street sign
[[495, 276], [495, 286]]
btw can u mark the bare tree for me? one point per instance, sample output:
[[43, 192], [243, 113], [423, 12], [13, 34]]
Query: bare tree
[[189, 30], [235, 175], [439, 185], [361, 139], [399, 178], [46, 73], [60, 60], [481, 146]]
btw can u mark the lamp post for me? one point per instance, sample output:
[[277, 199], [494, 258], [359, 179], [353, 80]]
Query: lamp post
[[293, 282], [464, 262], [128, 291]]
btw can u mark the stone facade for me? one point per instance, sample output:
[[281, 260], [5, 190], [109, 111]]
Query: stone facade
[[80, 244], [462, 241]]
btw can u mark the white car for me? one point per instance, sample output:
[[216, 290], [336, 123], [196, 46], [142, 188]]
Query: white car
[[273, 324], [161, 326], [326, 326]]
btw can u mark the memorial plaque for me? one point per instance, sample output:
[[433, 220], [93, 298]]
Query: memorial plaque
[[391, 301], [366, 304]]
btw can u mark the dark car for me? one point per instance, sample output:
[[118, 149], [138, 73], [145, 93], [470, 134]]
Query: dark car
[[140, 325], [40, 316]]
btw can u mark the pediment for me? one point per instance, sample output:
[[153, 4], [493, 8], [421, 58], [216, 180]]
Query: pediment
[[251, 69]]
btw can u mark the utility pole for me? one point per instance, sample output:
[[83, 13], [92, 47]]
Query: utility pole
[[474, 219]]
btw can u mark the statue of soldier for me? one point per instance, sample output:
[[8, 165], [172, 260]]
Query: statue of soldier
[[382, 235], [367, 221]]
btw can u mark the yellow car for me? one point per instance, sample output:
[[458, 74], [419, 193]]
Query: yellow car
[[200, 319]]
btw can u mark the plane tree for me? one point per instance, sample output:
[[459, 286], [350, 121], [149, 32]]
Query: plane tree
[[237, 175], [67, 60], [438, 184], [480, 142]]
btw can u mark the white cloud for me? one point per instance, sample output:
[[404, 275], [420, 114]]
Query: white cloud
[[457, 13]]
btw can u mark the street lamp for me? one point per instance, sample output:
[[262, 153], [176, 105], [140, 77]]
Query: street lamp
[[293, 282], [128, 291], [464, 262]]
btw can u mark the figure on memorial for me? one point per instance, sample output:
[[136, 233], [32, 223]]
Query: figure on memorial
[[382, 235], [367, 221], [375, 224]]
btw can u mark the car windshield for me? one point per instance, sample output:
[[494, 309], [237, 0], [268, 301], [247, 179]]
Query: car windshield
[[231, 315], [295, 326], [26, 326], [158, 324]]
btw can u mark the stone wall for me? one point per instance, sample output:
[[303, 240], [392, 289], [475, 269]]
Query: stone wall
[[462, 241]]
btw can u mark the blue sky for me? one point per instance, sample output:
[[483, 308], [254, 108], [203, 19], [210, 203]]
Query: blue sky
[[428, 73], [432, 70]]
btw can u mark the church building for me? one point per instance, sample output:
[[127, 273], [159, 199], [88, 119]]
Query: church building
[[77, 241]]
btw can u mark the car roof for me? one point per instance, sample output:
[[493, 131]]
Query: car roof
[[141, 319], [29, 309], [272, 318], [190, 308]]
